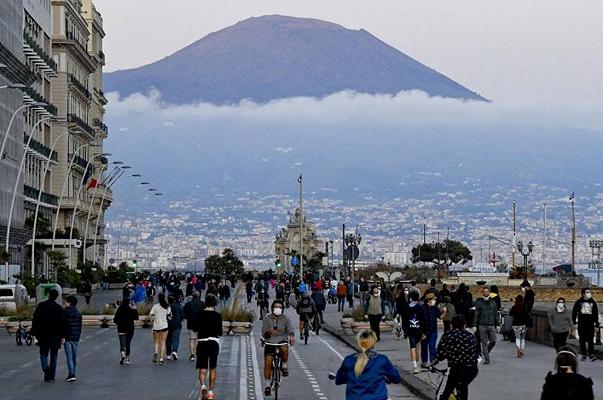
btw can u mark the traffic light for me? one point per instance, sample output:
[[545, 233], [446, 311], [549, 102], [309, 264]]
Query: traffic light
[[277, 263], [134, 263]]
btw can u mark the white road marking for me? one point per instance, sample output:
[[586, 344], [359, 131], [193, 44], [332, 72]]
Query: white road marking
[[243, 377], [309, 375], [257, 379], [329, 346]]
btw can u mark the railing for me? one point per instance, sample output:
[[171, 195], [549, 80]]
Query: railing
[[73, 80], [80, 123], [51, 108], [40, 148], [40, 51], [101, 126], [47, 198], [80, 161], [72, 37], [101, 55]]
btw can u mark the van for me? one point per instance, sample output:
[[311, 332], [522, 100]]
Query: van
[[13, 296]]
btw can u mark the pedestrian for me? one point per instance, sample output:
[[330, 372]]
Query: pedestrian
[[363, 290], [528, 296], [460, 348], [160, 313], [444, 292], [431, 289], [321, 302], [400, 310], [432, 313], [367, 373], [520, 322], [414, 288], [342, 291], [560, 323], [48, 326], [73, 331], [249, 290], [224, 293], [415, 327], [207, 323], [586, 315], [486, 322], [189, 311], [567, 383], [496, 297], [448, 312], [174, 329], [140, 293], [373, 310], [387, 299], [124, 318], [87, 291], [350, 292], [463, 301]]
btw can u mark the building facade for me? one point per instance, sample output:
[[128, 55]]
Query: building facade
[[77, 93], [287, 241]]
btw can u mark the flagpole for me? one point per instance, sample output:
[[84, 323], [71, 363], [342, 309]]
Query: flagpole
[[102, 169], [572, 199], [301, 228]]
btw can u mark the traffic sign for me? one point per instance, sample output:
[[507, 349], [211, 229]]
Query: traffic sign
[[294, 261], [352, 252]]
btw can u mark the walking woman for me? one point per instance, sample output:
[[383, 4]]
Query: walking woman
[[366, 373], [160, 314], [373, 310], [124, 318], [521, 317], [567, 383], [560, 322]]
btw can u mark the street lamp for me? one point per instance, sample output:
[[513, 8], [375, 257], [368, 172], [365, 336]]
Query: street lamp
[[13, 86], [352, 241], [525, 255], [12, 119]]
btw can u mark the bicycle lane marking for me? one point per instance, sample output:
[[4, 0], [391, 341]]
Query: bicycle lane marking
[[309, 375], [257, 379], [338, 354]]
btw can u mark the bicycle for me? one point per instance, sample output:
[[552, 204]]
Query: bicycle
[[306, 332], [437, 382], [263, 310], [23, 335], [275, 379]]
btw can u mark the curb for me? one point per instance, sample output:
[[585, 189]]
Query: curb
[[409, 380]]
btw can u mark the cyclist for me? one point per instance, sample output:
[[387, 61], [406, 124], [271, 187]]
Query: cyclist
[[280, 291], [263, 299], [288, 289], [366, 373], [306, 308], [276, 328]]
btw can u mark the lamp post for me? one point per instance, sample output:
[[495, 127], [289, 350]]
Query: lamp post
[[525, 255], [12, 202], [102, 169], [12, 119], [572, 199], [352, 241], [301, 227]]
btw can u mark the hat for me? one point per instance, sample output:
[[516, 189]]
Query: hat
[[430, 296]]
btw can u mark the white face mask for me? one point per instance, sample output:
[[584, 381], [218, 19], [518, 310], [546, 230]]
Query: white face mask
[[376, 293], [277, 311], [432, 303], [588, 295], [560, 307]]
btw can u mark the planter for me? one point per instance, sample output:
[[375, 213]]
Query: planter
[[97, 321], [12, 326], [387, 326], [3, 322], [346, 325], [241, 328], [144, 321], [226, 325], [360, 326]]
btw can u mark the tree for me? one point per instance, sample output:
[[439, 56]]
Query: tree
[[227, 264], [444, 253]]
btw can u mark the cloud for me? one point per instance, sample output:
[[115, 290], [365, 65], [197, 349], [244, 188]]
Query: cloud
[[284, 150], [167, 123]]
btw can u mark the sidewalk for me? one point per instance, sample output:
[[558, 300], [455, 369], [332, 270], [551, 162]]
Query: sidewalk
[[507, 377]]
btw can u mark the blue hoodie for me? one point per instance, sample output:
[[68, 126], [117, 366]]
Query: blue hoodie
[[371, 384]]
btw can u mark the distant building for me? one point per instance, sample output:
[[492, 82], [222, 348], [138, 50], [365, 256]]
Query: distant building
[[288, 240]]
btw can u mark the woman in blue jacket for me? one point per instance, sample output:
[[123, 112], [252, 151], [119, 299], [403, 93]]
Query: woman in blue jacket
[[367, 372]]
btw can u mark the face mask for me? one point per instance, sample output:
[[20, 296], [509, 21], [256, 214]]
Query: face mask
[[486, 297], [588, 295], [432, 302], [560, 307], [278, 311], [377, 293], [406, 292]]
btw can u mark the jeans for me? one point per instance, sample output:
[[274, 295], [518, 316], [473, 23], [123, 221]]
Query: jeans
[[173, 341], [459, 377], [340, 303], [487, 336], [49, 370], [71, 355], [429, 344], [125, 340], [586, 336], [374, 321], [350, 301], [560, 340]]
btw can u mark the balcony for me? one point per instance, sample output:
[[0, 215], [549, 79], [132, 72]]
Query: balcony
[[41, 148], [79, 86], [80, 162], [81, 124], [31, 194], [98, 123], [40, 52], [51, 108]]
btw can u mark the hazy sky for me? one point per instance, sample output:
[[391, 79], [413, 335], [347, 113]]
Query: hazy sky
[[530, 50]]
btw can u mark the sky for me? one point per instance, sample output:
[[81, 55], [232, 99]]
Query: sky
[[537, 50]]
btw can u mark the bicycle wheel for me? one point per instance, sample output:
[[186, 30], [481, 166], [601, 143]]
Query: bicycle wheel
[[18, 338], [28, 339], [276, 378]]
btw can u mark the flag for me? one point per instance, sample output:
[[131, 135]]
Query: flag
[[87, 174], [92, 184]]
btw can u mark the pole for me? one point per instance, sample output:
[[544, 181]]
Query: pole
[[514, 240], [424, 238], [12, 203], [301, 228], [343, 255], [10, 124], [77, 200], [573, 235], [33, 239], [88, 217], [544, 242]]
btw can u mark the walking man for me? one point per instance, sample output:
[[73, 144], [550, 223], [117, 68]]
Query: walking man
[[48, 326], [188, 313], [208, 325], [342, 292], [73, 331], [586, 314], [486, 322]]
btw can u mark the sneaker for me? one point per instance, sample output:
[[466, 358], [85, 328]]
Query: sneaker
[[122, 358], [268, 391], [593, 358], [127, 360], [210, 395], [192, 357], [155, 356], [175, 356], [70, 378], [168, 357], [285, 371], [160, 362], [416, 370]]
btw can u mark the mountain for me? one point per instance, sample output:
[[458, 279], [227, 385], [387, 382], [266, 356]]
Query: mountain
[[274, 57]]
